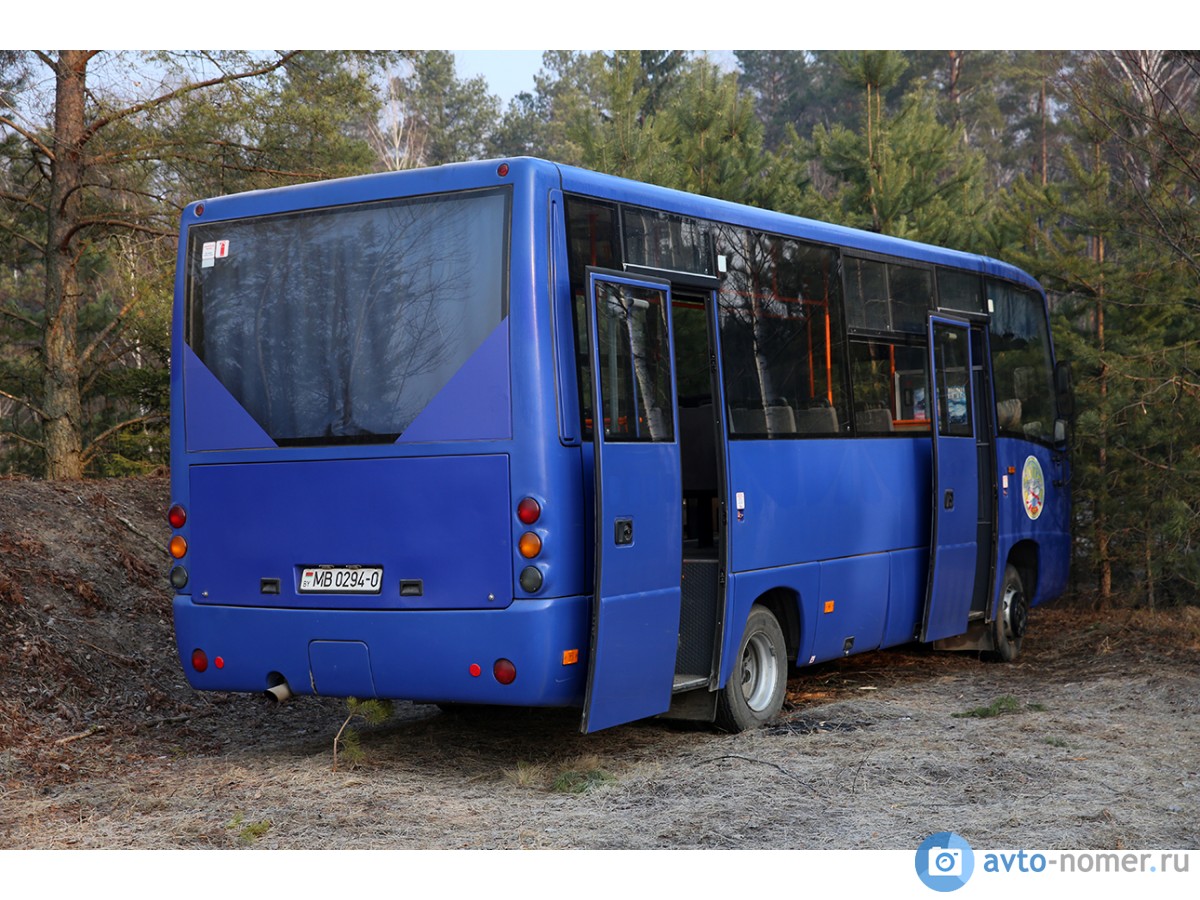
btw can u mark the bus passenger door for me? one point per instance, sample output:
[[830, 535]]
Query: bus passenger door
[[953, 546], [638, 535]]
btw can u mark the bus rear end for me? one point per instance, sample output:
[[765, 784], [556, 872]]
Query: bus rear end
[[346, 518]]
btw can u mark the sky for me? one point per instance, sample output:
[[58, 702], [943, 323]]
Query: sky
[[508, 72]]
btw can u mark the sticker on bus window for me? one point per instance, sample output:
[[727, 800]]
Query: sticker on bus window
[[211, 251]]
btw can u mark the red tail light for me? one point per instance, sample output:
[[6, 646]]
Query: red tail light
[[199, 660], [528, 511], [177, 516], [505, 671]]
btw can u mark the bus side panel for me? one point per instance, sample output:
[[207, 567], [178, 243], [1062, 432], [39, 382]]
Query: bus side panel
[[801, 584], [853, 605], [906, 595], [1050, 530], [825, 499]]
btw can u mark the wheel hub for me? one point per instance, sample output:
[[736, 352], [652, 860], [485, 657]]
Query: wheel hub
[[1016, 614], [758, 672]]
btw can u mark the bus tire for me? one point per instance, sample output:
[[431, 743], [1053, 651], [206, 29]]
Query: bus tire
[[1012, 617], [756, 687]]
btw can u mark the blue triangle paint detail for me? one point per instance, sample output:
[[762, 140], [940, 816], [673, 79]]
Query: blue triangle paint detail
[[213, 419], [475, 403]]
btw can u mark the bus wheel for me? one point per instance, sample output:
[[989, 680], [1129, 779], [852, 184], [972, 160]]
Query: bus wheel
[[754, 692], [1011, 618]]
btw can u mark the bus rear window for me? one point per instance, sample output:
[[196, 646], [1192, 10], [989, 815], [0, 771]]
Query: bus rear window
[[339, 325]]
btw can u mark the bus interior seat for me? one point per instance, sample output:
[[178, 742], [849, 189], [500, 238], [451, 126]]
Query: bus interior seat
[[748, 421], [820, 420], [781, 419], [875, 421], [1008, 414]]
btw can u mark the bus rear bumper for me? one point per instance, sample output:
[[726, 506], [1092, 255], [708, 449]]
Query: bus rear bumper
[[425, 656]]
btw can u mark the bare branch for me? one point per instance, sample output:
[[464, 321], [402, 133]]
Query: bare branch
[[36, 410], [94, 447], [29, 136], [20, 317], [182, 91], [22, 439], [115, 223], [108, 329], [24, 238], [23, 199]]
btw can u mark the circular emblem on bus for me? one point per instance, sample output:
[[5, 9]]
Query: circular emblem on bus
[[1033, 487]]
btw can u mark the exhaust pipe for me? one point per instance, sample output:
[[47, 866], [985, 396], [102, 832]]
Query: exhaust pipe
[[281, 692]]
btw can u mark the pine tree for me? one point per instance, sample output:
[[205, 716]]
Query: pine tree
[[1115, 238], [901, 173]]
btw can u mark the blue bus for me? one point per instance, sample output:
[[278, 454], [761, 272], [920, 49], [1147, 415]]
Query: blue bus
[[517, 433]]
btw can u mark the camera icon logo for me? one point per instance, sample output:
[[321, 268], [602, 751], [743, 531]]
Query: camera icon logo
[[945, 861]]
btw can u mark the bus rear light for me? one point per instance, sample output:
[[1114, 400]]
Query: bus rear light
[[531, 579], [502, 169], [179, 578], [505, 671], [530, 545], [528, 511], [199, 660], [178, 547], [475, 670], [177, 516]]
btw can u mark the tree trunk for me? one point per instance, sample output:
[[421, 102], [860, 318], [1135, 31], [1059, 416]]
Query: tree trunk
[[61, 403], [1103, 537]]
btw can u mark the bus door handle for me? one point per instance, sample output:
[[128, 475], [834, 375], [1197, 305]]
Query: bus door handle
[[623, 531], [949, 501]]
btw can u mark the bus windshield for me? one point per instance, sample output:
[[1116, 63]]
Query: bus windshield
[[336, 326]]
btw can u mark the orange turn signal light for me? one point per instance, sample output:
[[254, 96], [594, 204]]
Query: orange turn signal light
[[530, 545], [178, 547]]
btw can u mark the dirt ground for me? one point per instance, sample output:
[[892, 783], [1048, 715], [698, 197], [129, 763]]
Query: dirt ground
[[1090, 740]]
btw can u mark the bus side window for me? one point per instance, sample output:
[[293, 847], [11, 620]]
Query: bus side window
[[1020, 342], [779, 308], [891, 386]]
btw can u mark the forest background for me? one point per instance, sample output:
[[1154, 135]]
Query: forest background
[[1082, 167]]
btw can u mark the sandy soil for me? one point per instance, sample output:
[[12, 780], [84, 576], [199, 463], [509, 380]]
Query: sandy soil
[[1090, 740]]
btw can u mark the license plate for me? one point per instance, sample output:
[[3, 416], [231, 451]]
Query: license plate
[[341, 580]]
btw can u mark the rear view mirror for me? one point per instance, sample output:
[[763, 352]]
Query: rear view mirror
[[1064, 390]]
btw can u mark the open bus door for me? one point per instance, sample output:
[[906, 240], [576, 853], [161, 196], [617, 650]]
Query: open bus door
[[954, 548], [638, 537]]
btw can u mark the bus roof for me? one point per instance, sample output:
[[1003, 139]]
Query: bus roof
[[456, 176], [583, 181]]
